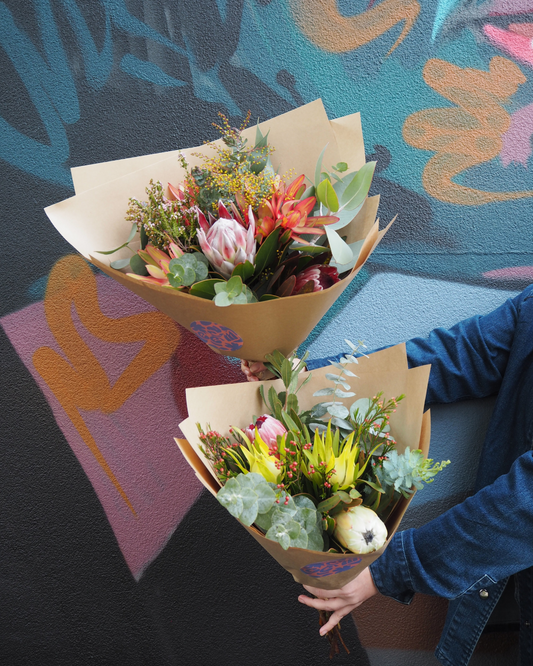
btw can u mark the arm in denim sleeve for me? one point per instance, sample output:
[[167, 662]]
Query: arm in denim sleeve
[[467, 360], [489, 534]]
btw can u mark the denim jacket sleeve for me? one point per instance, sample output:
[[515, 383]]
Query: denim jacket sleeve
[[487, 535]]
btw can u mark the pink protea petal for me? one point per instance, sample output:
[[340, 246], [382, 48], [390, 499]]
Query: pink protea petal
[[223, 211], [201, 220]]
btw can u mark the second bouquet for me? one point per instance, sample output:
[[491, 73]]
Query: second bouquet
[[321, 484]]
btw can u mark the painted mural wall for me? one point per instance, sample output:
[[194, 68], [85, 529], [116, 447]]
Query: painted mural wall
[[111, 552]]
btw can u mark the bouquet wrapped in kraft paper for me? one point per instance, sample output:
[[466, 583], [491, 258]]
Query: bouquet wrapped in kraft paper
[[383, 379], [231, 271]]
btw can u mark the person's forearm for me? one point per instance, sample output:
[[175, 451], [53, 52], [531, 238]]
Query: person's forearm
[[489, 534]]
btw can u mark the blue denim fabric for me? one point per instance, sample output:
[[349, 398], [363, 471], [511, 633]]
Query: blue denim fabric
[[475, 546]]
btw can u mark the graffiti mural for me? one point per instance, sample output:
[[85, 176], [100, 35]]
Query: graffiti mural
[[108, 540]]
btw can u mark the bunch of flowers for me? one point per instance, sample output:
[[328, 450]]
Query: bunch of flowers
[[234, 231], [323, 479]]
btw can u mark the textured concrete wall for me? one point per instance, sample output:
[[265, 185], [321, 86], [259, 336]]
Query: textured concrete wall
[[111, 553]]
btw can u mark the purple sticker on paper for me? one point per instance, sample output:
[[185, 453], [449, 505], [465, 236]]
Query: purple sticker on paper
[[217, 336], [320, 569]]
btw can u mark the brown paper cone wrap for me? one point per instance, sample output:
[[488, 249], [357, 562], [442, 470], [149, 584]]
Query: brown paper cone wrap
[[94, 220], [221, 407]]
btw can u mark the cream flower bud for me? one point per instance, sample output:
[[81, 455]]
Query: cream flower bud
[[360, 530]]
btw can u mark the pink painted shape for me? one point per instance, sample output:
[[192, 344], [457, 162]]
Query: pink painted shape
[[516, 142], [512, 273], [136, 440], [517, 46]]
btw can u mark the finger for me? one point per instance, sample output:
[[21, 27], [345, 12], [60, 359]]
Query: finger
[[333, 621], [323, 594], [323, 604], [245, 367]]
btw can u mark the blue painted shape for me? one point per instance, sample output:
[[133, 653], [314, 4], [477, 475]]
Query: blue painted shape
[[322, 569], [37, 289], [148, 71], [444, 8], [97, 65], [51, 89]]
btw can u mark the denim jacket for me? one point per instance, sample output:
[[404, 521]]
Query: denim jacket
[[467, 554]]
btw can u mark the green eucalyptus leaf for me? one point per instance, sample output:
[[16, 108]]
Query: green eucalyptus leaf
[[318, 167], [119, 263], [341, 251], [222, 300], [341, 167], [337, 409], [357, 190]]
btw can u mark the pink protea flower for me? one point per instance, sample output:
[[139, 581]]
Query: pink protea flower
[[268, 428], [321, 278], [226, 242]]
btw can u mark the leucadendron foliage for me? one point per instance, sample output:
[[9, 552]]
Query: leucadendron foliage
[[295, 473]]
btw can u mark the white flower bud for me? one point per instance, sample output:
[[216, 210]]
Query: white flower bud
[[360, 530]]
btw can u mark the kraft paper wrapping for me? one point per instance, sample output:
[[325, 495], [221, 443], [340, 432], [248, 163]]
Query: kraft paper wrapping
[[233, 405], [94, 220]]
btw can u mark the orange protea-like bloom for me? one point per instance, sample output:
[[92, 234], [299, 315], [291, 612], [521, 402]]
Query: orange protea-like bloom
[[285, 209]]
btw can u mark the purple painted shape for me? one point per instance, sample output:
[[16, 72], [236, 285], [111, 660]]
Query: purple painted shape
[[321, 569], [136, 440], [217, 336], [517, 139], [503, 7]]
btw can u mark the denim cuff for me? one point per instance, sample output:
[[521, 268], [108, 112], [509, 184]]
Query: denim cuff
[[390, 572]]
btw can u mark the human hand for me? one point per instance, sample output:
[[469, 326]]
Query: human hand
[[255, 371], [340, 602]]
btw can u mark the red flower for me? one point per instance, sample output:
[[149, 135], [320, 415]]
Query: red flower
[[320, 277]]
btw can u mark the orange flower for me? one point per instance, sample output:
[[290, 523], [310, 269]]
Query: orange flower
[[285, 209]]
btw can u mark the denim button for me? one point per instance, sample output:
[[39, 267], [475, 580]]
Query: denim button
[[484, 594]]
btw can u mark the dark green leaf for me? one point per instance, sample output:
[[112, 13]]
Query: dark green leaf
[[205, 288], [267, 253], [268, 297], [144, 237], [328, 504], [244, 271], [138, 266]]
